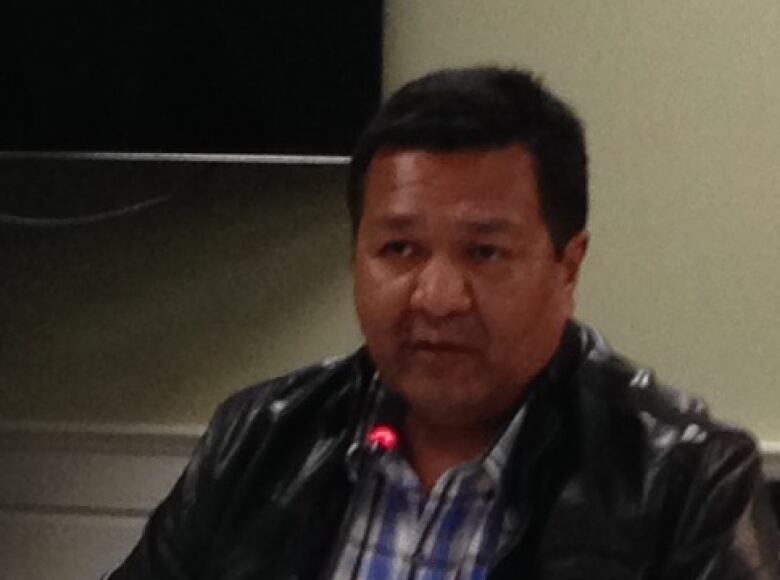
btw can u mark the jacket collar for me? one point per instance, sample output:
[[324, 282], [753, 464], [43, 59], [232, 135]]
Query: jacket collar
[[543, 454]]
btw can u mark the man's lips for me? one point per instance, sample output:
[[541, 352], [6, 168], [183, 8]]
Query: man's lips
[[441, 346]]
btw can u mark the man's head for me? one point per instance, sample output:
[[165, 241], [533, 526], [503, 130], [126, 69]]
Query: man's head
[[486, 108], [469, 200]]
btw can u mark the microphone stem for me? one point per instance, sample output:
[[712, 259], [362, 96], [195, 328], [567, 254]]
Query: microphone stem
[[377, 494]]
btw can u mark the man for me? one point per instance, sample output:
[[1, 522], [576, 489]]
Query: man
[[481, 432]]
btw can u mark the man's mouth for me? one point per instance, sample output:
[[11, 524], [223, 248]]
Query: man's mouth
[[441, 346]]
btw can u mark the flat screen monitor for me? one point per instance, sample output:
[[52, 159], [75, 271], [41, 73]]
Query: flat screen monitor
[[288, 77]]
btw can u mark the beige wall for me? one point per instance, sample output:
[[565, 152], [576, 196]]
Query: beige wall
[[156, 317], [681, 104]]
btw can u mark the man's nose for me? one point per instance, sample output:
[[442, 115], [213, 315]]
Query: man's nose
[[441, 289]]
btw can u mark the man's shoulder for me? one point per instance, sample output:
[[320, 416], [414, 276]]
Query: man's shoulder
[[295, 386], [305, 395], [313, 383], [667, 420]]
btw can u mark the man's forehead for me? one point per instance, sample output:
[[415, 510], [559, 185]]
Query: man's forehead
[[484, 192], [410, 221], [470, 171]]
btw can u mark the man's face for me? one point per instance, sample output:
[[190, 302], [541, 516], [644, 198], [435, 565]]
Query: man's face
[[459, 293]]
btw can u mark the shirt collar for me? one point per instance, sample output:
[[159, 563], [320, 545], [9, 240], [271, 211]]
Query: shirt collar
[[496, 459]]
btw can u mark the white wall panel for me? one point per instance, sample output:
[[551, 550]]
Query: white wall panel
[[74, 499]]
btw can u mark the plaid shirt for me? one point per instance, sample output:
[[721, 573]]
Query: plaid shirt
[[400, 532]]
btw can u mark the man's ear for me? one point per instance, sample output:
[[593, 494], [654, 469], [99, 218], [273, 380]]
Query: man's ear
[[573, 256]]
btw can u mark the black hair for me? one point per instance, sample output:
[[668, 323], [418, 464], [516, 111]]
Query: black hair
[[486, 108]]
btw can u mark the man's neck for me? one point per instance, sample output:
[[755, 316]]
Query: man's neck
[[433, 449]]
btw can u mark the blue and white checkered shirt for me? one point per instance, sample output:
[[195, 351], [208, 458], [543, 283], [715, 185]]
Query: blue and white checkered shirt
[[401, 532]]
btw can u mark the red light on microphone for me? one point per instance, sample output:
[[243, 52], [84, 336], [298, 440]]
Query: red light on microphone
[[383, 437]]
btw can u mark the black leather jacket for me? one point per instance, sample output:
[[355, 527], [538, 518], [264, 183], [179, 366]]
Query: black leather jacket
[[613, 476]]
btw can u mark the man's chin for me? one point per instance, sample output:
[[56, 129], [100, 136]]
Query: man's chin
[[447, 403]]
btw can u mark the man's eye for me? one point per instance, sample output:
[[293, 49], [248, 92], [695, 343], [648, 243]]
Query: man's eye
[[485, 252], [398, 248]]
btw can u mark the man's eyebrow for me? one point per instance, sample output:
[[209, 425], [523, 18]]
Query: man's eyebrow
[[402, 222], [490, 226]]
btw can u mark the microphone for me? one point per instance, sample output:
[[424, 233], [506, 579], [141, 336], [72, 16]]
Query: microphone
[[380, 435], [381, 439], [391, 409], [383, 435]]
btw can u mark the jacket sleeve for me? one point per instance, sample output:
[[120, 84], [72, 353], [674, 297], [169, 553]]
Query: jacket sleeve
[[176, 539], [726, 529]]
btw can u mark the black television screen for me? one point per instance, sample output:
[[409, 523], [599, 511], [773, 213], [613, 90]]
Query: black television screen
[[286, 77]]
